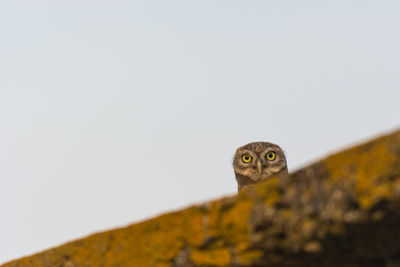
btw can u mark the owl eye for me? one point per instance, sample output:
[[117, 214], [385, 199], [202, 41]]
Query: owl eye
[[271, 155], [246, 158]]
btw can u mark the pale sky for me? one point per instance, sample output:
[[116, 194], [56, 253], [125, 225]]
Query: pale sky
[[112, 112]]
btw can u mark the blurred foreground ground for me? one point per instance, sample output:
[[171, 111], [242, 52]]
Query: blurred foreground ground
[[341, 211]]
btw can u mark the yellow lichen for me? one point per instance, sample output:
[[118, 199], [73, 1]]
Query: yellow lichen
[[234, 223], [246, 258], [241, 246], [365, 166], [196, 233], [268, 189], [217, 257]]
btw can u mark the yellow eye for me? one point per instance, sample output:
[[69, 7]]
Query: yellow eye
[[271, 155], [246, 158]]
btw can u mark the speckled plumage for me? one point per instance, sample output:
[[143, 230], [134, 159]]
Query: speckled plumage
[[259, 168]]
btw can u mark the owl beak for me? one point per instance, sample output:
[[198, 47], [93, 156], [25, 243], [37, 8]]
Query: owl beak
[[259, 166]]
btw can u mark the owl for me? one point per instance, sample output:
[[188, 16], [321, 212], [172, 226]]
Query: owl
[[257, 161]]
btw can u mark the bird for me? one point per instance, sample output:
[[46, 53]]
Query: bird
[[257, 162]]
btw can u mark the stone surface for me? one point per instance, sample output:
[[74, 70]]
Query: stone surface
[[341, 211]]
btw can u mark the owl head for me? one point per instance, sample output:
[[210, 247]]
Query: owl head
[[257, 161]]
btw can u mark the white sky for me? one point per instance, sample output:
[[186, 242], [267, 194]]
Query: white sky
[[115, 111]]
